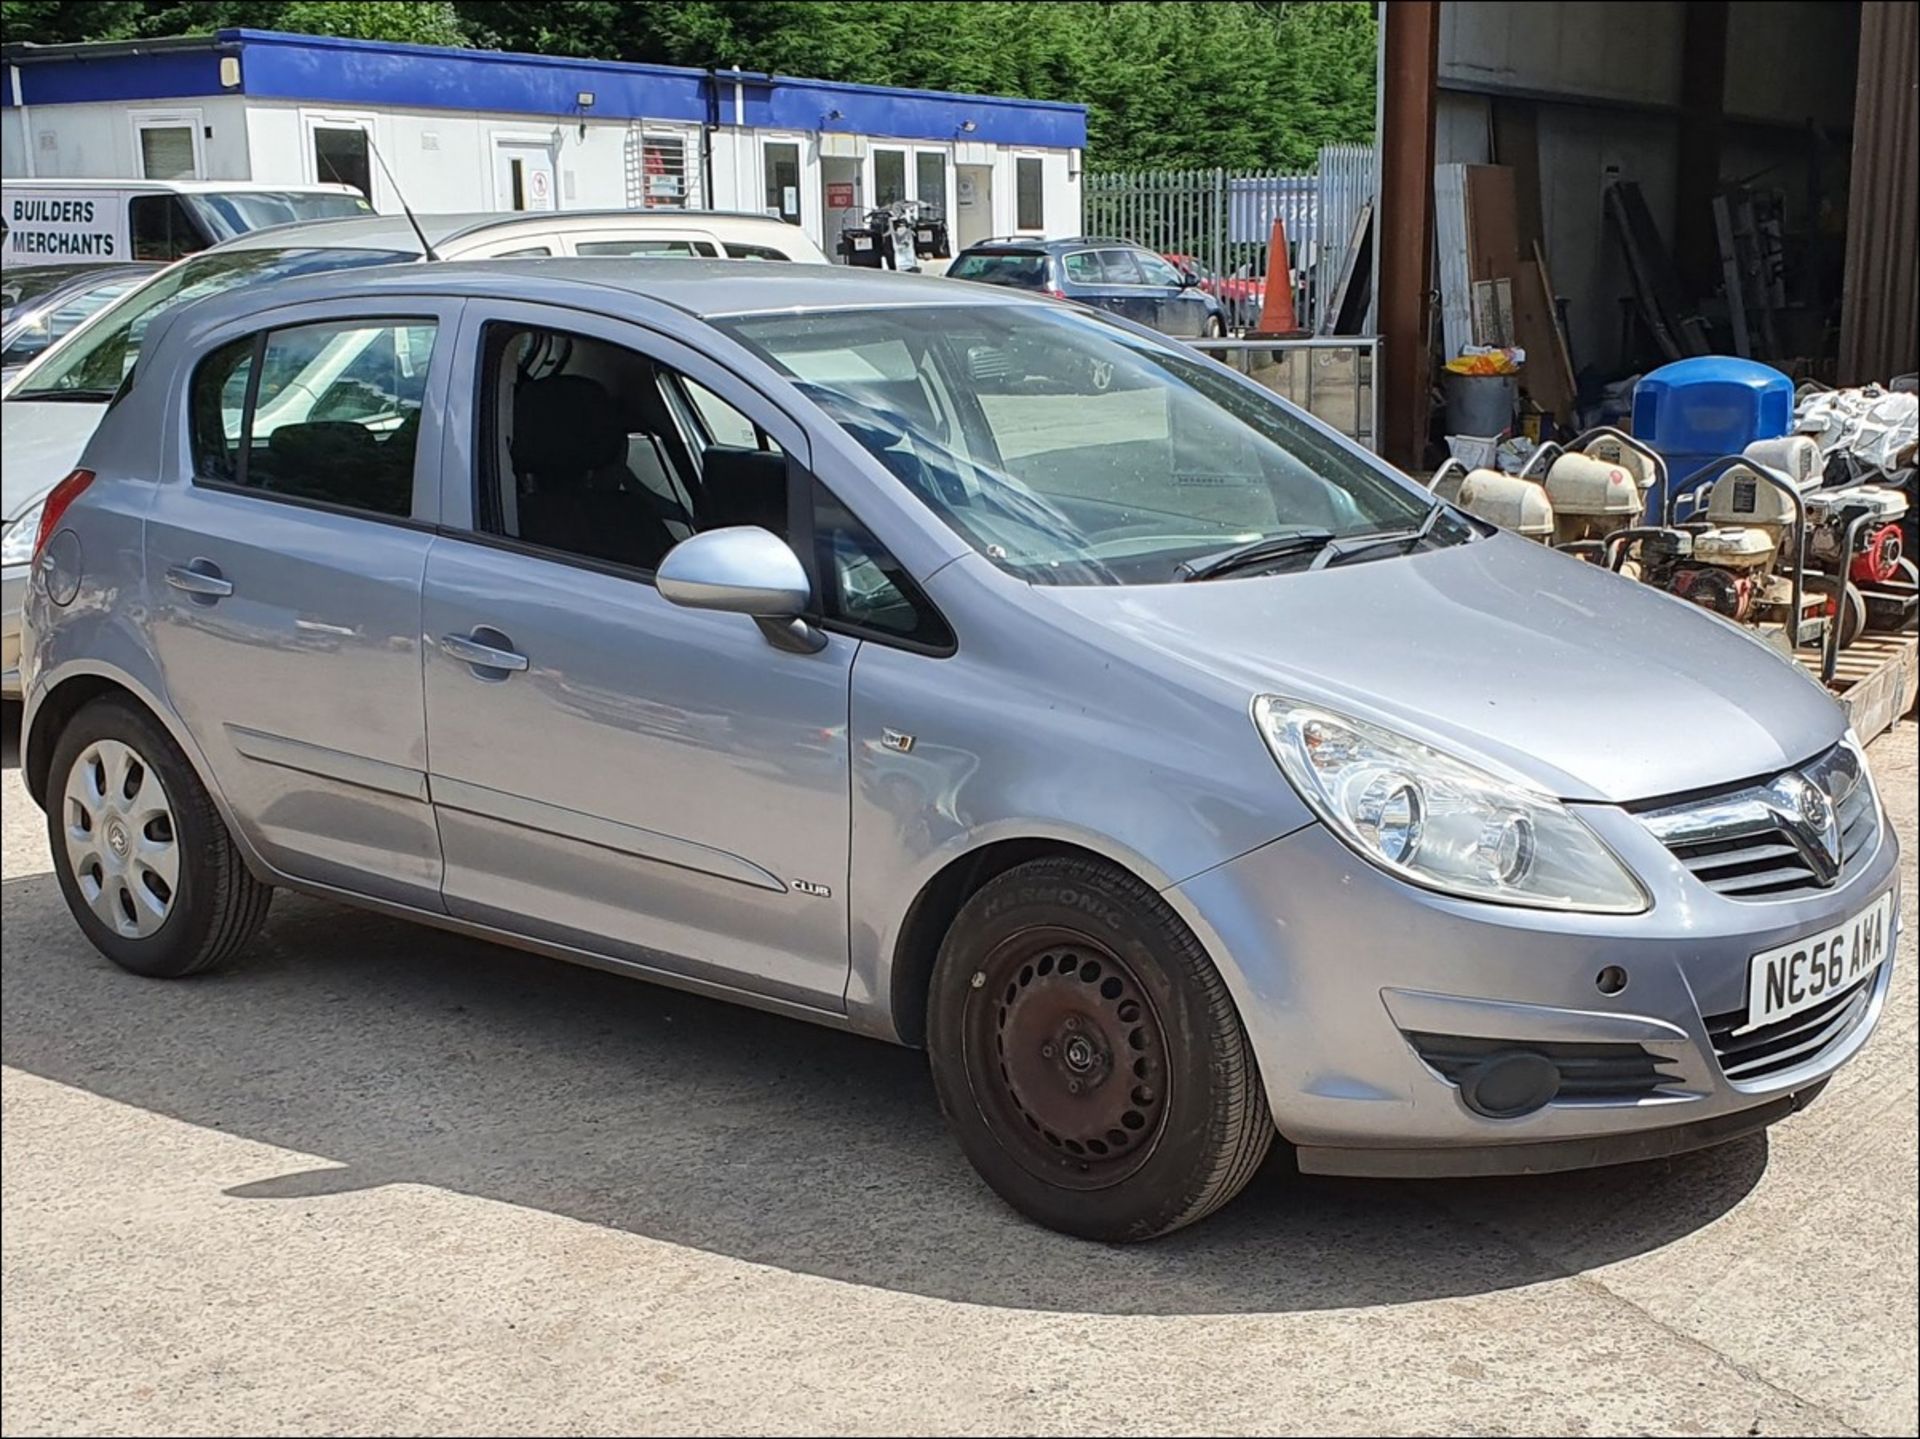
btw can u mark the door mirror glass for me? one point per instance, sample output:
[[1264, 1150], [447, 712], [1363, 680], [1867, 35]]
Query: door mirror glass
[[742, 570]]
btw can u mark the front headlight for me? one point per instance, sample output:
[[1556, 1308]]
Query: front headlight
[[16, 545], [1438, 821]]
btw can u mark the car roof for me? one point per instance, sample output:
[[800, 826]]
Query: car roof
[[184, 187], [1038, 245], [396, 232], [706, 289]]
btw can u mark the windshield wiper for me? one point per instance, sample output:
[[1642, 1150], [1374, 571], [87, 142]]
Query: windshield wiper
[[77, 397], [1254, 552], [1341, 551]]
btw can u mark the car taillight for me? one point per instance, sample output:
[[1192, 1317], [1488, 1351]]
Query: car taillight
[[1057, 294], [58, 498]]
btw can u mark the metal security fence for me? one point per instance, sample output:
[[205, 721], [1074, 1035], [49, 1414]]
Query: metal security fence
[[1223, 220]]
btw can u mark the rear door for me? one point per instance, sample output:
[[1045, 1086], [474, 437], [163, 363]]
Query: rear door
[[1088, 281], [285, 575]]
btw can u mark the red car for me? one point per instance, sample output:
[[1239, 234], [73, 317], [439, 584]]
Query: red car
[[1241, 295]]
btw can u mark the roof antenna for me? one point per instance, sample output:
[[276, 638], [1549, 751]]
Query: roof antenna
[[426, 245]]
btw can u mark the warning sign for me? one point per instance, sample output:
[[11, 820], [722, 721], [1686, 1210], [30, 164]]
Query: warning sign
[[62, 227]]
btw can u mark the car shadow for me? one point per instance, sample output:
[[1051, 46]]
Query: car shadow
[[394, 1054]]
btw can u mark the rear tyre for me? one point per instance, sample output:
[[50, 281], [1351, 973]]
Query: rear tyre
[[145, 861], [1216, 328], [1088, 1057]]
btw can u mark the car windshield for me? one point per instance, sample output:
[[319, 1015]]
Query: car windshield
[[235, 212], [91, 362], [1069, 451], [22, 340], [30, 282], [1024, 268]]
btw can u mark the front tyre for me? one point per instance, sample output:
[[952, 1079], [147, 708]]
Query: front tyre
[[143, 857], [1088, 1056]]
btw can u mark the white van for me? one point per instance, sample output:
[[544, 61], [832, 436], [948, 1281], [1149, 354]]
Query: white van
[[55, 222]]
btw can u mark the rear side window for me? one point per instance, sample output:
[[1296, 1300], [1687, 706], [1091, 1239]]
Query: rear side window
[[668, 249], [1119, 269], [323, 413]]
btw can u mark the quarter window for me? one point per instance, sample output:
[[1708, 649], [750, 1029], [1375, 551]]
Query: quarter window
[[326, 413]]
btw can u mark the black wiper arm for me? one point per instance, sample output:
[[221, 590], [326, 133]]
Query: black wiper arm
[[77, 397], [1341, 551], [1254, 552]]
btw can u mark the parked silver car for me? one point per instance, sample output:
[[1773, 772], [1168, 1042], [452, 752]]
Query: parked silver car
[[821, 639]]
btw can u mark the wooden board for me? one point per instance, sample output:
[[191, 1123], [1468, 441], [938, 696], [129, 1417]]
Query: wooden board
[[1877, 678], [1493, 242], [1516, 144], [1547, 376]]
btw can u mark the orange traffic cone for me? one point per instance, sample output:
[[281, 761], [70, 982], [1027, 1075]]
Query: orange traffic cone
[[1276, 302]]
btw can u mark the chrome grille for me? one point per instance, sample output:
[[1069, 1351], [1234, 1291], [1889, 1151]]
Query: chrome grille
[[1785, 1043], [1759, 842]]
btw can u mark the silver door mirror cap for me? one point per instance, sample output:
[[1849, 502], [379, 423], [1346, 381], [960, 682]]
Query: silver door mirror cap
[[742, 570]]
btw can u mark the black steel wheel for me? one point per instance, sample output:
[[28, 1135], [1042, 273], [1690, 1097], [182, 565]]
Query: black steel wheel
[[1088, 1056]]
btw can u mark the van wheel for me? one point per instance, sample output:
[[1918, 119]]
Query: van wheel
[[146, 864], [1088, 1056]]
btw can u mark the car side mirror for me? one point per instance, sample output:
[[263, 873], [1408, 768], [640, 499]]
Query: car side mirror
[[1188, 279], [743, 570]]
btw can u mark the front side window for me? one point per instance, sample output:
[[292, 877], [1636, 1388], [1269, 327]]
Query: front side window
[[1069, 452], [740, 250], [162, 229], [327, 413], [1156, 270], [90, 365], [1029, 207]]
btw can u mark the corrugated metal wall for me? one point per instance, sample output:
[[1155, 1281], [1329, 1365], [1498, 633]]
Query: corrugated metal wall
[[1880, 304]]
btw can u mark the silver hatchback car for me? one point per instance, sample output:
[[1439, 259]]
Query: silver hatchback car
[[955, 668]]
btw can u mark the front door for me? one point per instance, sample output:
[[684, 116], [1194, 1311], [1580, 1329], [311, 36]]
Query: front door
[[611, 772], [285, 577], [1178, 309], [523, 175]]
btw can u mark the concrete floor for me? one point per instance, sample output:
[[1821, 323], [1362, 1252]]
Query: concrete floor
[[387, 1180]]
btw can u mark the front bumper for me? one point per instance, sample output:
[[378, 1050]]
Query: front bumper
[[1337, 964], [13, 595]]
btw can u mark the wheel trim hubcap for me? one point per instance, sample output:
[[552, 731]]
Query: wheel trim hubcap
[[122, 848], [1069, 1058]]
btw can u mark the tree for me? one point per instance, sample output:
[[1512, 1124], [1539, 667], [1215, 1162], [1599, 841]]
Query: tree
[[1181, 84]]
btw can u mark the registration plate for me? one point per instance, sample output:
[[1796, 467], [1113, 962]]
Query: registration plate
[[1798, 976]]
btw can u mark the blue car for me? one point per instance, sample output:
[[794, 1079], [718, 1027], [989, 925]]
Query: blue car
[[1127, 279]]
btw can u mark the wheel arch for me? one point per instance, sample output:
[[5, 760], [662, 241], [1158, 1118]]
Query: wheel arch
[[934, 907]]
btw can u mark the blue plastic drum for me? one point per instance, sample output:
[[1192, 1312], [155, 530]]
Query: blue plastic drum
[[1694, 411]]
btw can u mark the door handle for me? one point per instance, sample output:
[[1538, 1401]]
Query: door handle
[[485, 649], [201, 579]]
